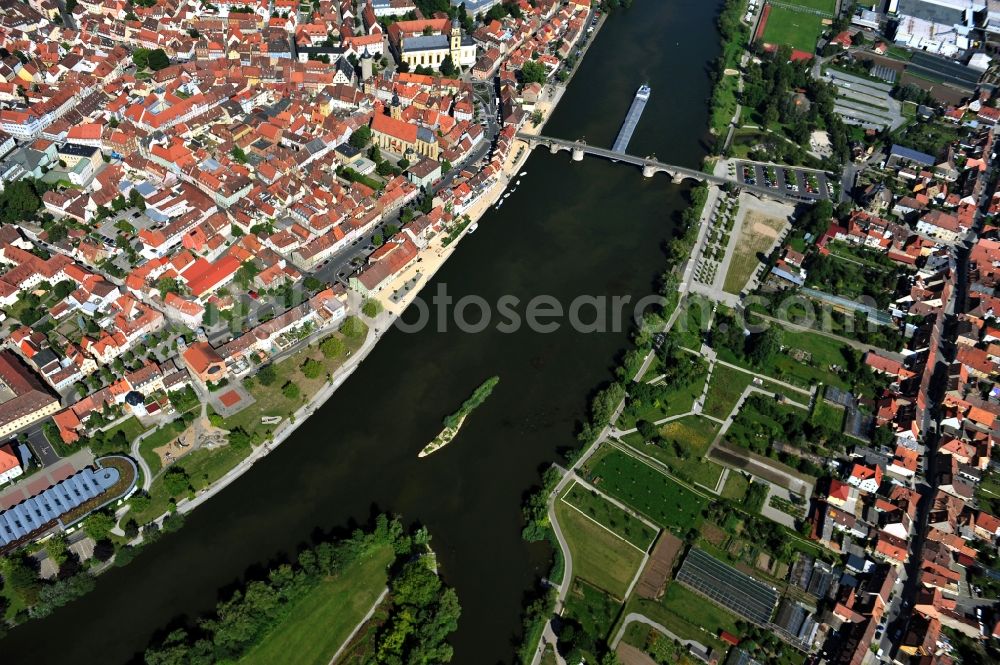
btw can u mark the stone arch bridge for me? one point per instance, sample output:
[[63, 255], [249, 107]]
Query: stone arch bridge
[[650, 167]]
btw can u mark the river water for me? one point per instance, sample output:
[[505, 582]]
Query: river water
[[590, 228]]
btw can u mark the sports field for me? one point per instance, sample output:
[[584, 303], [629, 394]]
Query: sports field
[[796, 27]]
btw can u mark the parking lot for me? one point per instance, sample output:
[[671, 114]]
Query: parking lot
[[805, 182], [864, 102]]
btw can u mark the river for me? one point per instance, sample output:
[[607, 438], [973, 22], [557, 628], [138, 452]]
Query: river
[[593, 228]]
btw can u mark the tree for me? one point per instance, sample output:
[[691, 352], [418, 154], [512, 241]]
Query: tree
[[140, 58], [331, 347], [761, 347], [20, 200], [246, 273], [290, 390], [312, 369], [266, 375], [352, 327], [448, 67], [533, 72], [648, 431], [176, 481], [98, 525], [371, 308], [361, 136], [240, 439], [238, 154], [104, 549], [158, 60], [56, 548], [310, 283], [169, 285]]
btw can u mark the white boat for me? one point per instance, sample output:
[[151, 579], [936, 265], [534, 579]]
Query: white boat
[[524, 173], [473, 227], [517, 183], [499, 203], [506, 195]]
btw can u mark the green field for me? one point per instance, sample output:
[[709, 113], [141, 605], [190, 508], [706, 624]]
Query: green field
[[130, 427], [318, 623], [724, 390], [826, 6], [609, 515], [161, 437], [829, 416], [647, 490], [807, 358], [599, 556], [595, 610], [676, 400], [689, 615], [736, 486], [797, 29]]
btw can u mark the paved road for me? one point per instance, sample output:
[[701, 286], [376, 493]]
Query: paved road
[[635, 617], [147, 473]]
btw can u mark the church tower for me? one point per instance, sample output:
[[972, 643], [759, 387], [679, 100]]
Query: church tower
[[456, 42]]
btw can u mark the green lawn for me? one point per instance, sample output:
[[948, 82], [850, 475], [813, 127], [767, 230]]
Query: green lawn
[[203, 466], [828, 415], [826, 6], [611, 516], [595, 610], [130, 427], [724, 390], [689, 615], [676, 400], [599, 556], [692, 324], [696, 431], [161, 437], [319, 622], [800, 30], [817, 355], [736, 486], [270, 401], [646, 490]]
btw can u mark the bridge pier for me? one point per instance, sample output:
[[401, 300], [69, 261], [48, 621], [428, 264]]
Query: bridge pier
[[676, 178], [577, 154], [554, 148], [648, 170]]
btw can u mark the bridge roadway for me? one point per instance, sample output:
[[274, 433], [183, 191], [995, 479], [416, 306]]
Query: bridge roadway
[[651, 167]]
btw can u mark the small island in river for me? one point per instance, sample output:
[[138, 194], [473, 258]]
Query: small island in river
[[453, 422]]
